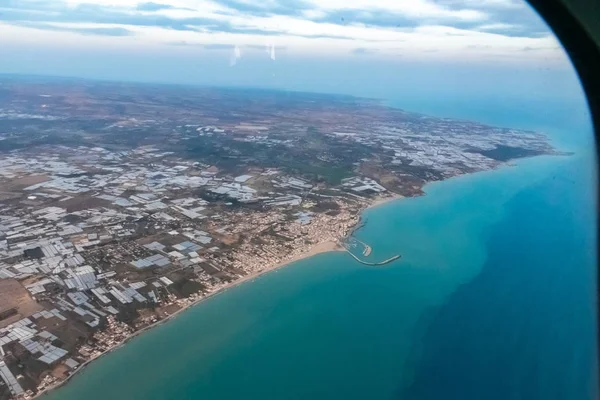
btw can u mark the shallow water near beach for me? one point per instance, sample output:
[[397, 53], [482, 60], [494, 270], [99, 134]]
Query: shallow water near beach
[[481, 285], [492, 299]]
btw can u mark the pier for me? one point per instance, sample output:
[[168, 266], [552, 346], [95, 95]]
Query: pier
[[367, 247], [367, 250]]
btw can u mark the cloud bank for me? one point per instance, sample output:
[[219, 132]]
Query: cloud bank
[[467, 29]]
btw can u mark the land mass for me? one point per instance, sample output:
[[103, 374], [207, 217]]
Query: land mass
[[123, 204]]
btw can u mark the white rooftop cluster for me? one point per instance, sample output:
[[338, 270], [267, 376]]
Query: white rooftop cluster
[[44, 352], [242, 178], [198, 236], [284, 200], [236, 190], [157, 260], [291, 182], [209, 130], [81, 278], [362, 184], [10, 380], [38, 343], [187, 247]]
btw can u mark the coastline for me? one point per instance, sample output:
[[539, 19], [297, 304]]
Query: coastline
[[384, 200], [315, 249], [380, 201], [319, 248]]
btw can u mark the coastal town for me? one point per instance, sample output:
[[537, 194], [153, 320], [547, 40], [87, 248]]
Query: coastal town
[[123, 205]]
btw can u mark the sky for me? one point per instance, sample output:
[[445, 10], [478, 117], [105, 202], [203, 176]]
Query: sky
[[375, 48]]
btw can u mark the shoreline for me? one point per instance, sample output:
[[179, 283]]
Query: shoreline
[[313, 250], [319, 248], [380, 201], [384, 200]]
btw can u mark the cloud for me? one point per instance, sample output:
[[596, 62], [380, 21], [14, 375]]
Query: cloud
[[447, 27], [218, 46], [488, 4], [363, 51], [415, 9], [153, 6], [270, 49], [100, 31], [181, 43], [499, 26], [254, 46], [237, 15], [314, 14], [540, 48]]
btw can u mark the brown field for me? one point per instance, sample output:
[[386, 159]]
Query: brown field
[[6, 196], [149, 239], [261, 183], [84, 202], [13, 294], [229, 239], [167, 310], [163, 238], [70, 332], [61, 371], [26, 181]]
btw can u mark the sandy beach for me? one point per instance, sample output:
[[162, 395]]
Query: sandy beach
[[384, 200], [311, 251], [318, 248]]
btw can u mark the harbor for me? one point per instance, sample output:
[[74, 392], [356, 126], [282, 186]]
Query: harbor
[[366, 252]]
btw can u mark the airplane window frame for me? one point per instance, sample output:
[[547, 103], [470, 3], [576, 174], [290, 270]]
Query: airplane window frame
[[581, 47], [584, 52]]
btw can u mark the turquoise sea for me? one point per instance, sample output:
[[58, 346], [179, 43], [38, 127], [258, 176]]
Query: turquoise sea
[[493, 299]]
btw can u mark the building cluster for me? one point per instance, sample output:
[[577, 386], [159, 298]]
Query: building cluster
[[448, 146], [40, 343], [94, 236], [146, 214], [361, 184]]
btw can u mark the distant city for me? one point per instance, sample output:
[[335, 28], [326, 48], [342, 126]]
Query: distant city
[[123, 204]]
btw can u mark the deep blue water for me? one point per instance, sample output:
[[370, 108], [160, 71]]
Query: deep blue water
[[524, 327], [493, 297]]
